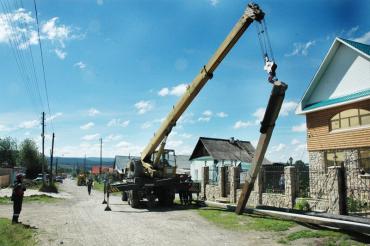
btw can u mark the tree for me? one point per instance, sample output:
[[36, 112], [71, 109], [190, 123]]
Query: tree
[[8, 152], [30, 158]]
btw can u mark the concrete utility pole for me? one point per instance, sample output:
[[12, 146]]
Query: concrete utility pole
[[101, 158], [51, 160], [43, 147]]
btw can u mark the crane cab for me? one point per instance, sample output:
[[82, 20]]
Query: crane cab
[[166, 166]]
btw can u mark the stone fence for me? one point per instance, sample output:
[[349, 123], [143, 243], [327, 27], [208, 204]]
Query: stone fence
[[228, 189]]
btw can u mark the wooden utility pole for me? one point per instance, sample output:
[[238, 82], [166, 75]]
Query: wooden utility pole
[[101, 158], [51, 160], [267, 127], [43, 147]]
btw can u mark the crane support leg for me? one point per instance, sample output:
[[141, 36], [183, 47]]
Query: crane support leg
[[267, 127]]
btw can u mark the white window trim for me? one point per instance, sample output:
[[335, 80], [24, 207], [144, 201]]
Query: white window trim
[[350, 129]]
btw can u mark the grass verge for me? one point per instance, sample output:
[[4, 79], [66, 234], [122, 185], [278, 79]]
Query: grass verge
[[231, 221], [16, 235], [100, 187], [33, 198], [326, 237]]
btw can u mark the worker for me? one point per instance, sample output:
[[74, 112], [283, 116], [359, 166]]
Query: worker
[[182, 190], [189, 194], [90, 184], [270, 67], [17, 197]]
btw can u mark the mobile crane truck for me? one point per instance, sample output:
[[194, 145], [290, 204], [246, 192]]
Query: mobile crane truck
[[152, 176]]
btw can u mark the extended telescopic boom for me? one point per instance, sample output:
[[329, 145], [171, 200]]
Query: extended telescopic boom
[[252, 13]]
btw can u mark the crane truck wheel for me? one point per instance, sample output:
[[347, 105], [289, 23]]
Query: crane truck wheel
[[135, 169], [133, 198]]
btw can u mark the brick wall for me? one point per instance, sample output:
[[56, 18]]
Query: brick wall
[[319, 136]]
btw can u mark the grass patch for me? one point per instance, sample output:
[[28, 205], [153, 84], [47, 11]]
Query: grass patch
[[328, 237], [100, 187], [231, 221], [15, 235], [33, 198]]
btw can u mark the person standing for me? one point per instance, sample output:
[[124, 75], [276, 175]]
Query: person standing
[[17, 197], [90, 183]]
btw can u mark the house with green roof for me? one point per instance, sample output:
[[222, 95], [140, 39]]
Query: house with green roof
[[336, 105]]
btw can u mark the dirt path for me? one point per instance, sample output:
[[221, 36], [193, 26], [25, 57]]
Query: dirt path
[[82, 220]]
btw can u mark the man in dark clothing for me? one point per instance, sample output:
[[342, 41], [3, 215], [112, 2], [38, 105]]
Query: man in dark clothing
[[89, 185], [17, 197]]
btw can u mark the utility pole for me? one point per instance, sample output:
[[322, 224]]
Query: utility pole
[[51, 160], [43, 147], [56, 167], [101, 158], [85, 164]]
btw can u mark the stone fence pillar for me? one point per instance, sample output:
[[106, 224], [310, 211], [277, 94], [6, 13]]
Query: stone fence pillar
[[205, 179], [234, 182], [335, 191], [291, 185]]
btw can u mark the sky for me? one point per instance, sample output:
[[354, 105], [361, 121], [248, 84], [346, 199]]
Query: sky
[[114, 69]]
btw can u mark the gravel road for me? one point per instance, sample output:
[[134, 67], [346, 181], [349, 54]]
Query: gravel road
[[81, 220]]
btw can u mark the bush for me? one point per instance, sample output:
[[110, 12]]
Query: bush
[[302, 205], [49, 188]]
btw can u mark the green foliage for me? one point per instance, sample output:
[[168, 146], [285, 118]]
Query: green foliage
[[49, 188], [8, 151], [34, 198], [15, 235], [303, 205], [328, 238], [354, 205], [231, 221], [30, 158]]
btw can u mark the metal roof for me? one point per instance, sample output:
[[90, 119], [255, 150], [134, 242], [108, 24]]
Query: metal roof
[[225, 149], [362, 47], [338, 100], [120, 162]]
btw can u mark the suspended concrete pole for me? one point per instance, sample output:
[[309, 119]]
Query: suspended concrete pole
[[267, 127]]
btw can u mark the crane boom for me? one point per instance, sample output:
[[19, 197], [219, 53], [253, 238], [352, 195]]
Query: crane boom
[[252, 13]]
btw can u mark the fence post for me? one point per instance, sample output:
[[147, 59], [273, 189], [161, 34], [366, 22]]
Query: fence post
[[290, 186], [222, 181], [234, 183], [335, 190], [205, 179]]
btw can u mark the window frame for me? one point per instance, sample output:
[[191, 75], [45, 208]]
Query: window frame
[[338, 119]]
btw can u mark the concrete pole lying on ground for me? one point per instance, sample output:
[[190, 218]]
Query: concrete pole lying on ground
[[105, 192], [107, 208], [267, 127]]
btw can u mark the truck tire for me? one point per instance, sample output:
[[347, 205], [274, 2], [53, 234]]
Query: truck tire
[[133, 198], [151, 201], [135, 169], [124, 196]]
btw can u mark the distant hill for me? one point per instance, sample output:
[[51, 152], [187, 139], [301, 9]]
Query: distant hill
[[79, 162]]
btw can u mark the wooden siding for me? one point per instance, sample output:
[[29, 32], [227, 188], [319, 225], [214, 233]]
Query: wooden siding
[[319, 136]]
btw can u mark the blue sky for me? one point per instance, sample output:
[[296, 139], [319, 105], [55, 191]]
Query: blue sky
[[115, 68]]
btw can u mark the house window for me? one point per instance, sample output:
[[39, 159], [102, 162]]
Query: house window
[[365, 160], [334, 158], [350, 118]]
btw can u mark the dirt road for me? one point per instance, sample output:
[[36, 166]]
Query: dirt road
[[82, 220]]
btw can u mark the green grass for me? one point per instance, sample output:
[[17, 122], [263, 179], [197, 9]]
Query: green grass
[[329, 238], [100, 187], [15, 235], [33, 198], [231, 221]]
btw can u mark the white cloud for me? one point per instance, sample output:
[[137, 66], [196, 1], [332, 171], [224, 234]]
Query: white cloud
[[207, 113], [53, 117], [29, 124], [118, 122], [146, 125], [61, 54], [287, 107], [299, 128], [259, 113], [99, 2], [352, 31], [204, 119], [178, 90], [295, 141], [214, 2], [4, 128], [56, 32], [301, 49], [113, 137], [222, 115], [143, 106], [80, 65], [87, 126], [301, 147], [242, 124], [277, 148], [93, 112], [185, 135], [90, 137], [364, 38]]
